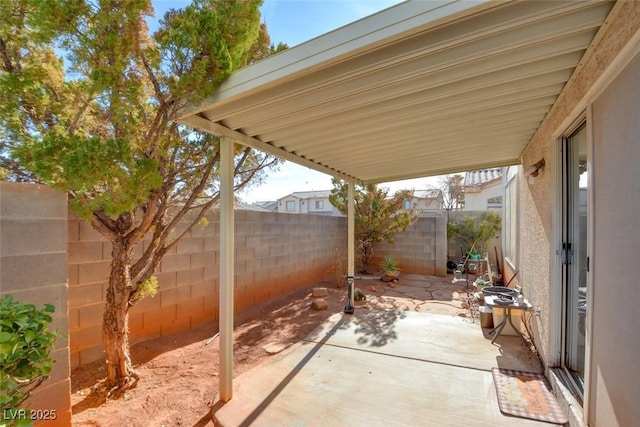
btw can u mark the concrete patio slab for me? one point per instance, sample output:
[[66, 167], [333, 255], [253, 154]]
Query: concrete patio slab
[[380, 368]]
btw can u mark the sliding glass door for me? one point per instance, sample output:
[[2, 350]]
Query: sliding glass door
[[574, 254]]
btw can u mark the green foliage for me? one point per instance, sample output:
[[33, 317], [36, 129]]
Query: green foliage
[[358, 295], [471, 230], [25, 345], [389, 265], [148, 288], [99, 123], [378, 217]]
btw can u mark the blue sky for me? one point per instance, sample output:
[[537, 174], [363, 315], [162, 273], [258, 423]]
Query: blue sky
[[294, 22]]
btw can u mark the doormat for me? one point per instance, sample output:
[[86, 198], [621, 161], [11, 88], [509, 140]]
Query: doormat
[[527, 395]]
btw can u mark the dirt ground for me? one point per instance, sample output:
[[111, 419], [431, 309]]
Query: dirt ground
[[179, 374]]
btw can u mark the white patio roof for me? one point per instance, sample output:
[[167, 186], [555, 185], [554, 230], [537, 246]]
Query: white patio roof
[[422, 88]]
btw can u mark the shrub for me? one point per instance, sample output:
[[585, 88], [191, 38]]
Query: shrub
[[25, 345]]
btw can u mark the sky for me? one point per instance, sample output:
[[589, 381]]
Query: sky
[[294, 22]]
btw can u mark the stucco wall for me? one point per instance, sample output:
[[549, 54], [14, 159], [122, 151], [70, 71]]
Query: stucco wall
[[614, 385], [537, 205], [33, 259], [478, 201]]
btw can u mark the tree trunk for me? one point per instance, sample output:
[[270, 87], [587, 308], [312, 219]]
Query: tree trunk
[[115, 325]]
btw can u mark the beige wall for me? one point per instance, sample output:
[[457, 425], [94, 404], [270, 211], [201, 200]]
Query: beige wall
[[33, 259], [614, 373], [612, 383]]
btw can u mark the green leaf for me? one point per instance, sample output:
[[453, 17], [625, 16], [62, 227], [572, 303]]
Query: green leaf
[[5, 336]]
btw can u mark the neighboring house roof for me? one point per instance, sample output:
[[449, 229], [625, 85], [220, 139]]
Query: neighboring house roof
[[482, 178], [321, 194], [242, 206], [270, 205], [428, 194]]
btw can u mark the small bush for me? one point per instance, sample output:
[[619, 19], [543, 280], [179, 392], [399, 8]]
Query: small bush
[[25, 345]]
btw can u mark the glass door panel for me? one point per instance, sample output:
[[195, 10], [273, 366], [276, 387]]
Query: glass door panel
[[575, 257]]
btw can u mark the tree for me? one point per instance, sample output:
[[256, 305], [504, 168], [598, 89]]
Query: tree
[[378, 217], [452, 191], [102, 129], [474, 234]]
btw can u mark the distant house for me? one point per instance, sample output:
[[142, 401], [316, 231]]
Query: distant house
[[307, 202], [483, 190], [426, 202]]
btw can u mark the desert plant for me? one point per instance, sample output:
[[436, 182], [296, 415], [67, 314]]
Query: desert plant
[[389, 266], [25, 345], [88, 102], [378, 217], [471, 230], [358, 295]]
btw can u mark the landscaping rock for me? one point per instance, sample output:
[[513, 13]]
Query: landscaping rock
[[275, 347], [319, 292], [319, 305], [373, 289]]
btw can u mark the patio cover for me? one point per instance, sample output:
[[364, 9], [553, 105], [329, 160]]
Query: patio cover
[[423, 88]]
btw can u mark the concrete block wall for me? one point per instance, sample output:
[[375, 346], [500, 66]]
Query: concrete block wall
[[493, 245], [420, 249], [275, 253], [33, 268]]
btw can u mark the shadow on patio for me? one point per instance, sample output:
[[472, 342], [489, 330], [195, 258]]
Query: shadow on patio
[[380, 367]]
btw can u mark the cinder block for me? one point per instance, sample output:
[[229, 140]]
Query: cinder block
[[187, 277], [244, 302], [74, 322], [81, 295], [92, 354], [212, 243], [29, 236], [190, 245], [148, 303], [136, 323], [211, 272], [85, 338], [32, 271], [244, 229], [203, 289], [72, 274], [56, 396], [150, 331], [74, 360], [167, 280], [93, 272], [55, 295], [203, 259], [159, 316], [178, 325], [83, 252], [86, 232], [73, 229], [31, 201], [193, 306], [175, 262], [175, 296], [90, 315]]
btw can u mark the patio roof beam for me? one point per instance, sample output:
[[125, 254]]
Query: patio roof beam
[[205, 125]]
